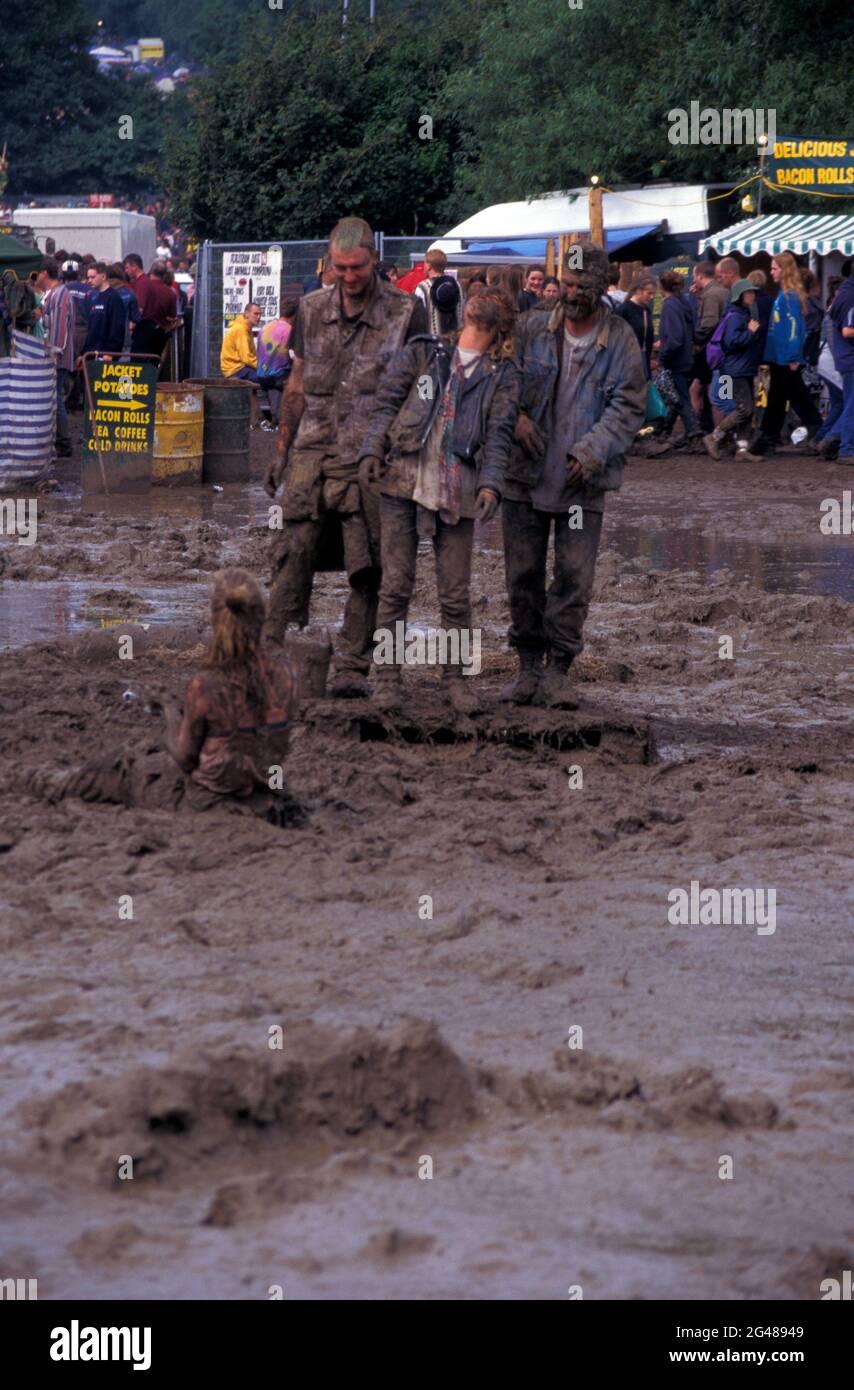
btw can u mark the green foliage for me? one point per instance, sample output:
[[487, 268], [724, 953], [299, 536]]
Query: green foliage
[[320, 122], [60, 116], [557, 93]]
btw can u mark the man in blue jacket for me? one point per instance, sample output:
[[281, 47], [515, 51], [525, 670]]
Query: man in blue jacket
[[582, 400], [741, 344], [842, 317], [107, 314]]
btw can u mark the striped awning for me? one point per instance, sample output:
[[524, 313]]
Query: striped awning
[[785, 232]]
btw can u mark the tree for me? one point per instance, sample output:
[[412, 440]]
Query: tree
[[557, 93], [320, 122], [60, 115]]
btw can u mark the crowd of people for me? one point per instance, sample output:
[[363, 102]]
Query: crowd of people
[[410, 412], [82, 305]]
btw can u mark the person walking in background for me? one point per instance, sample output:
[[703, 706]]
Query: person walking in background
[[826, 439], [636, 309], [813, 317], [59, 337], [842, 317], [784, 352], [735, 352], [710, 300], [676, 352], [763, 306]]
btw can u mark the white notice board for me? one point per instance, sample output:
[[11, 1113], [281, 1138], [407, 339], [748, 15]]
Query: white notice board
[[248, 275]]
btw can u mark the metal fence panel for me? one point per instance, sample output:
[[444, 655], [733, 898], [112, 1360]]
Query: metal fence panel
[[299, 266]]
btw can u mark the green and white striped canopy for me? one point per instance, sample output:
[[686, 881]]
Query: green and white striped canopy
[[798, 234]]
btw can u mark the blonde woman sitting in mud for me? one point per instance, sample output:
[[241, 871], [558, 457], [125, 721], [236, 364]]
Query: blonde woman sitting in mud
[[228, 743]]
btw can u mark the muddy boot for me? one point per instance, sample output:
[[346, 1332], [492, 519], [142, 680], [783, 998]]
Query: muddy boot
[[349, 685], [712, 444], [555, 691], [388, 689], [744, 456], [522, 690], [461, 696], [828, 448]]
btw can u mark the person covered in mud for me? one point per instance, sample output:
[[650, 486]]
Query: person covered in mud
[[582, 400], [437, 444], [343, 340], [227, 745]]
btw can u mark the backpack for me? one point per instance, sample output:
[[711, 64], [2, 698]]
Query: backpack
[[714, 347]]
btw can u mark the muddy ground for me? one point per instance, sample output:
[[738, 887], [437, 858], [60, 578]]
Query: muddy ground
[[407, 1037]]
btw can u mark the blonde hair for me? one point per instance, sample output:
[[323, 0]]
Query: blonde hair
[[237, 616], [790, 275]]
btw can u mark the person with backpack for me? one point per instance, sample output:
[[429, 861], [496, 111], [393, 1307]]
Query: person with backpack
[[734, 353], [676, 350], [784, 353]]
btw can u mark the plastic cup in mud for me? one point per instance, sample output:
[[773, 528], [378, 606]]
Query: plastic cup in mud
[[129, 695], [799, 435]]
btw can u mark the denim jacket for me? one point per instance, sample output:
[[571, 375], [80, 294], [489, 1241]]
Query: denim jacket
[[410, 397], [610, 406]]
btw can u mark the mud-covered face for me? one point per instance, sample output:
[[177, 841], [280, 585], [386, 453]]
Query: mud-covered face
[[581, 294], [353, 270]]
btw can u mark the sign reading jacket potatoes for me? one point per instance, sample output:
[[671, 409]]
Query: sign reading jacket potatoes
[[121, 418]]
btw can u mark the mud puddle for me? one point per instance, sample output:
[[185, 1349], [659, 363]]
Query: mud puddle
[[47, 611]]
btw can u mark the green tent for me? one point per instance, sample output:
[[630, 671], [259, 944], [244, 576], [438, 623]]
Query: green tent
[[14, 255]]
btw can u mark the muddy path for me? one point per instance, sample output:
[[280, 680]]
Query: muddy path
[[547, 844]]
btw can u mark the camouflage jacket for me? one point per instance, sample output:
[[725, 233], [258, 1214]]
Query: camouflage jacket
[[344, 364]]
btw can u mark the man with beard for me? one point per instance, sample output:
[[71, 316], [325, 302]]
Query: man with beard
[[582, 400], [342, 342]]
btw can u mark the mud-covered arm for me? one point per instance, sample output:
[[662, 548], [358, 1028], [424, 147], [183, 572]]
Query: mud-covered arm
[[391, 395], [623, 416], [500, 427], [186, 739]]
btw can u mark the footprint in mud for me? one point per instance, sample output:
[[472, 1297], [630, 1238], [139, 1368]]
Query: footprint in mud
[[395, 1244]]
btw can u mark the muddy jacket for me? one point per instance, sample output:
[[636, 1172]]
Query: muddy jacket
[[344, 365], [610, 404], [410, 399]]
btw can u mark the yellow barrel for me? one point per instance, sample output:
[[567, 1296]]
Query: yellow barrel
[[179, 429]]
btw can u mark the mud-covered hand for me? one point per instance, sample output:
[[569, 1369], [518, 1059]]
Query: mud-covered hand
[[485, 506], [574, 472], [530, 437], [276, 468], [372, 470]]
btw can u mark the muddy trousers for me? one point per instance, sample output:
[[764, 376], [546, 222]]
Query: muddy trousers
[[452, 547], [550, 621], [742, 414], [290, 595], [786, 388]]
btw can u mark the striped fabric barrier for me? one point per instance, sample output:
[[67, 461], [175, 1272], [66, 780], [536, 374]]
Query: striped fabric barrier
[[27, 412]]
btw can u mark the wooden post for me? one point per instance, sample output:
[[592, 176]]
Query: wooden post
[[550, 255], [597, 225]]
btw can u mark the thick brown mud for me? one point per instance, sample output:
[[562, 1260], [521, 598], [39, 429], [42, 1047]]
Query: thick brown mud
[[466, 895]]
